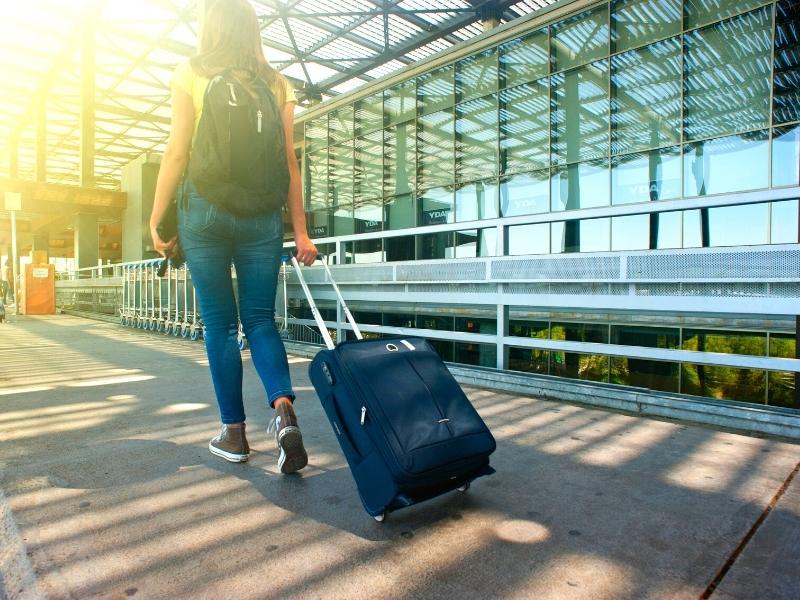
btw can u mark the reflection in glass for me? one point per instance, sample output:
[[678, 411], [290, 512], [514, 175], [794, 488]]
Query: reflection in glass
[[579, 103], [648, 337], [724, 383], [319, 223], [579, 39], [702, 12], [436, 206], [587, 235], [785, 221], [475, 201], [786, 156], [368, 166], [746, 225], [579, 366], [400, 163], [725, 342], [475, 243], [528, 360], [341, 173], [443, 349], [343, 222], [433, 246], [695, 229], [369, 215], [786, 91], [476, 75], [524, 59], [400, 212], [341, 124], [316, 133], [532, 329], [365, 251], [476, 139], [316, 179], [528, 239], [653, 175], [638, 22], [525, 194], [484, 355], [475, 325], [630, 233], [666, 230], [727, 76], [651, 374], [583, 185], [646, 97], [782, 387], [400, 102], [435, 149], [399, 248], [782, 345], [525, 127], [579, 332], [369, 114], [730, 164], [435, 90]]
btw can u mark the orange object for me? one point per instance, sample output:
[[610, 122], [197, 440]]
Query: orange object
[[38, 293]]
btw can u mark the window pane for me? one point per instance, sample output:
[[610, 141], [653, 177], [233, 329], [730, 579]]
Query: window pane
[[666, 230], [528, 239], [701, 12], [483, 355], [524, 59], [525, 127], [400, 102], [435, 91], [583, 185], [368, 166], [580, 113], [525, 194], [319, 223], [316, 133], [436, 206], [587, 235], [476, 139], [528, 361], [433, 246], [580, 39], [364, 251], [724, 383], [532, 329], [727, 83], [369, 114], [782, 389], [784, 221], [400, 174], [651, 374], [343, 223], [476, 75], [369, 215], [475, 243], [341, 174], [435, 139], [341, 124], [400, 213], [786, 92], [579, 366], [475, 325], [648, 337], [316, 180], [693, 229], [399, 248], [782, 345], [646, 97], [746, 225], [476, 201], [730, 164], [638, 22], [725, 342], [579, 332], [653, 175], [630, 233], [786, 156]]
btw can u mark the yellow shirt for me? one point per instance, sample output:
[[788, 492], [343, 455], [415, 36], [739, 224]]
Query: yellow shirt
[[195, 85]]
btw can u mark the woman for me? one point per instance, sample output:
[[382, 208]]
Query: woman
[[212, 238]]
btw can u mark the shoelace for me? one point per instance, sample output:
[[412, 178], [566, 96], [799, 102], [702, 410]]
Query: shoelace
[[272, 425]]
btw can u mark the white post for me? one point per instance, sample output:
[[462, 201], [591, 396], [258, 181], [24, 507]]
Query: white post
[[13, 204]]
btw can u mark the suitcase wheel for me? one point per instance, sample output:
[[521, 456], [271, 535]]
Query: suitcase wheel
[[464, 488], [380, 518]]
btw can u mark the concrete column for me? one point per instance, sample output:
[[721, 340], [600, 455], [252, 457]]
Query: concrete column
[[87, 241], [502, 331], [139, 181]]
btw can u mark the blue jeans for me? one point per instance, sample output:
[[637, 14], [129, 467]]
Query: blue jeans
[[211, 239]]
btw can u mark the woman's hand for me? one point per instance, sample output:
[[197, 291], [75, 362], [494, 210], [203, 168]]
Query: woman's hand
[[306, 251], [160, 245]]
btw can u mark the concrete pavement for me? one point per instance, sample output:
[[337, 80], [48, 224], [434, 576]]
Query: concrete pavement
[[107, 490]]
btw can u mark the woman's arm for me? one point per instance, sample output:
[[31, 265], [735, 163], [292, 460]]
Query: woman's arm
[[173, 163], [306, 250]]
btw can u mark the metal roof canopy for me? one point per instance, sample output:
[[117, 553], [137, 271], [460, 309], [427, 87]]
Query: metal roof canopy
[[324, 47]]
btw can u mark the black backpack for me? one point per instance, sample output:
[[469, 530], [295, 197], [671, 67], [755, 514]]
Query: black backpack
[[238, 159]]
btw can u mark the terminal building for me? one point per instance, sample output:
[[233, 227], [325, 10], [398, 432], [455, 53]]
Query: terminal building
[[604, 192]]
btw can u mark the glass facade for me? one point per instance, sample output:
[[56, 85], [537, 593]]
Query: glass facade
[[625, 106]]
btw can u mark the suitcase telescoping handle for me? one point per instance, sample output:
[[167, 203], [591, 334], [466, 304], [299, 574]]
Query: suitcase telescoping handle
[[317, 317]]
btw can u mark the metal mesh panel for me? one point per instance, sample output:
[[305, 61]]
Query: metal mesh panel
[[360, 274], [583, 267], [758, 264], [725, 290], [452, 288], [657, 289], [456, 271], [784, 290], [534, 289]]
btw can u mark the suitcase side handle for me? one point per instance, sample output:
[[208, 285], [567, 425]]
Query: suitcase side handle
[[340, 299]]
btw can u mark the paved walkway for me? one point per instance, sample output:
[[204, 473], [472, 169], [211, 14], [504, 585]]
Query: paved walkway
[[107, 491]]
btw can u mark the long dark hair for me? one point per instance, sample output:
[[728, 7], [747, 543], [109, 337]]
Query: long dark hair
[[231, 39]]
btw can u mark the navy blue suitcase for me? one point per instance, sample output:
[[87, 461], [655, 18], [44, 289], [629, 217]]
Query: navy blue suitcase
[[407, 429]]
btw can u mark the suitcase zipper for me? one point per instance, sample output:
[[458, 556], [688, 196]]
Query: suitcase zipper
[[363, 415]]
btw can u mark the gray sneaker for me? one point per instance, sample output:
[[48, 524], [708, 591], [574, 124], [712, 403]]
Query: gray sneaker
[[289, 440], [231, 444]]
